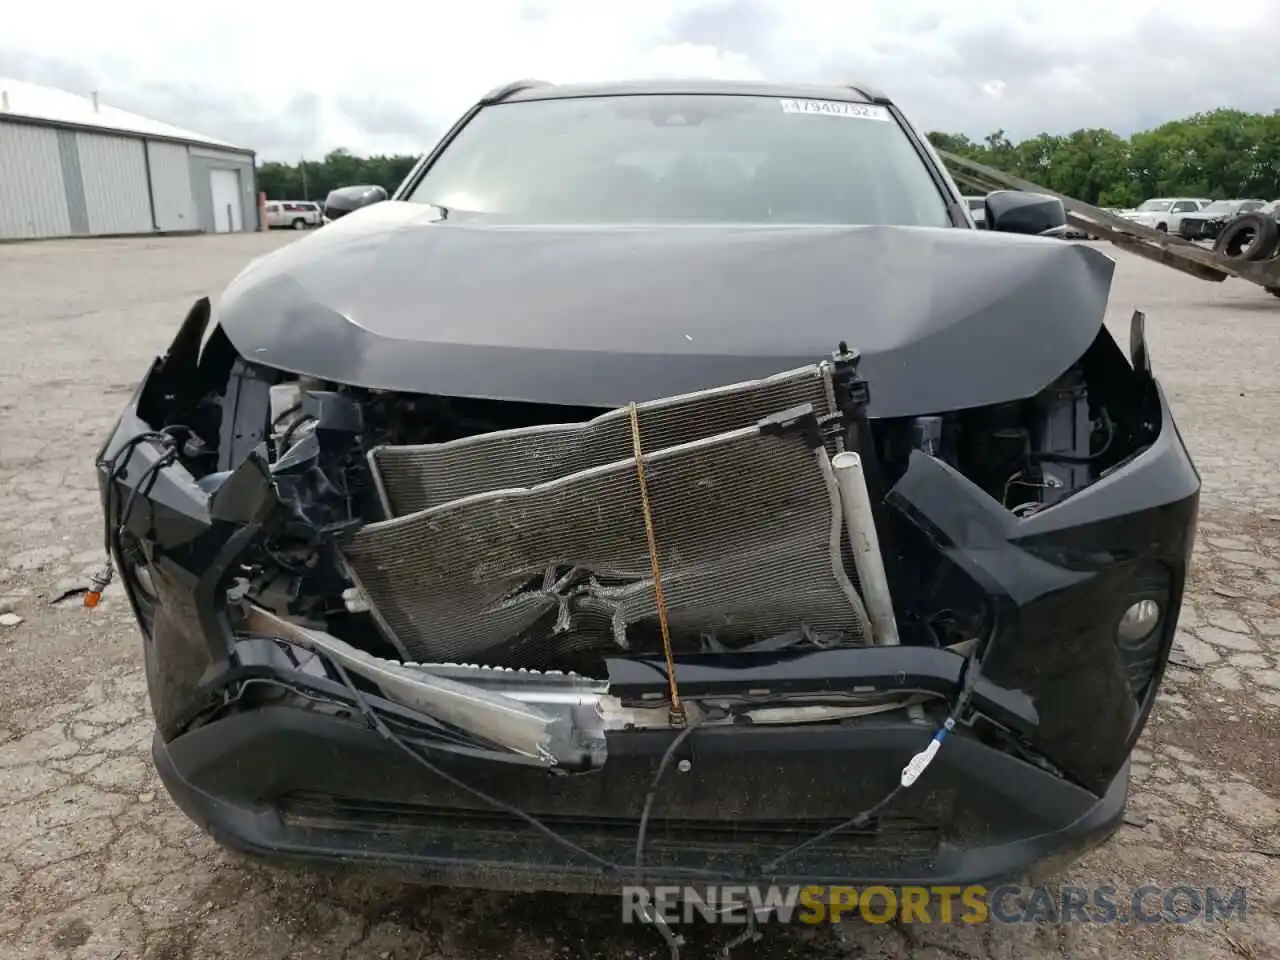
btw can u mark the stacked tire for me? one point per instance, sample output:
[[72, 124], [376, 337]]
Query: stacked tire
[[1252, 236]]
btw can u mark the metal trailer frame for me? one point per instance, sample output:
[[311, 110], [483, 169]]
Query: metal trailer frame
[[1172, 251]]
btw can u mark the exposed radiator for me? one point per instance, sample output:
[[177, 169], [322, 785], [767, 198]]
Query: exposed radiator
[[420, 476], [535, 538]]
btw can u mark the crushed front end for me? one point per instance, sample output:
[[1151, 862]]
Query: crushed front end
[[458, 637]]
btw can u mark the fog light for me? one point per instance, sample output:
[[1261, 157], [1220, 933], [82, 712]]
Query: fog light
[[1138, 621]]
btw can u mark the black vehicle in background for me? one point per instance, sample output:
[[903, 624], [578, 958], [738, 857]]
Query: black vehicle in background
[[1207, 223]]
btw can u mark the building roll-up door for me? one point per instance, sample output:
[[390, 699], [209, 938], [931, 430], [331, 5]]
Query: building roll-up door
[[33, 201], [171, 186], [114, 172], [228, 212]]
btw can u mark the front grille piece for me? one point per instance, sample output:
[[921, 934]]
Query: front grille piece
[[749, 528], [888, 838]]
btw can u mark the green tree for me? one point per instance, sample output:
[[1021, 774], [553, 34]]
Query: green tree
[[312, 179], [1219, 154]]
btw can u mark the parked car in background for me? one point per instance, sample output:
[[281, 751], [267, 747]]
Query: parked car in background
[[293, 214], [1207, 223], [1164, 213], [316, 207]]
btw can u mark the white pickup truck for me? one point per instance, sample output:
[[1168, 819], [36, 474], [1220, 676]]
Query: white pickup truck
[[1164, 213], [293, 215]]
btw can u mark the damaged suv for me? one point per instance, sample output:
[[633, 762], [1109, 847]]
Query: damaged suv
[[668, 481]]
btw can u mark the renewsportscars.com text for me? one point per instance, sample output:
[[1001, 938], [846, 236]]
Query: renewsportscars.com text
[[1006, 904]]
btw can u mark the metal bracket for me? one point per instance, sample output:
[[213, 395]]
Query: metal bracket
[[853, 394], [802, 419]]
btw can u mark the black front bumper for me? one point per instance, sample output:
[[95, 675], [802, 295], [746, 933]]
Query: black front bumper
[[292, 785], [1199, 229]]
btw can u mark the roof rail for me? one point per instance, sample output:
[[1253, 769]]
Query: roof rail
[[870, 92], [498, 94]]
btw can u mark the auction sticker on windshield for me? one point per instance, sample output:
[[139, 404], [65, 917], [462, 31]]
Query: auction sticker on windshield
[[836, 108]]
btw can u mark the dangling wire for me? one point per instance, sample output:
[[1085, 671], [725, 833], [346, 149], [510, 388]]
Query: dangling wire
[[115, 468], [677, 708]]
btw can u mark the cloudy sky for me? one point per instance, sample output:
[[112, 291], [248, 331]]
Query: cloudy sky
[[286, 80]]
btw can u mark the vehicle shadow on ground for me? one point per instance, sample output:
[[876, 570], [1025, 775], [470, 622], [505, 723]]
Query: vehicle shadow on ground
[[401, 921]]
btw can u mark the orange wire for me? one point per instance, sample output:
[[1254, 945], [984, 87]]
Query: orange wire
[[677, 709]]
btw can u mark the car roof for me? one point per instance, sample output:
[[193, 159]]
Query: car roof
[[524, 90]]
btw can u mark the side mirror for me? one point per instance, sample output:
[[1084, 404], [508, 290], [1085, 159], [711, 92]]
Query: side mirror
[[1013, 211], [342, 201]]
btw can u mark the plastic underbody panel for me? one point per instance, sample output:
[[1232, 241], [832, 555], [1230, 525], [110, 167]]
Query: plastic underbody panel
[[332, 790]]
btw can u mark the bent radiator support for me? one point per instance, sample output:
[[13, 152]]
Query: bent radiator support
[[749, 522]]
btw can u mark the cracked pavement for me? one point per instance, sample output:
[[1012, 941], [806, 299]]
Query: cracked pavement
[[96, 862]]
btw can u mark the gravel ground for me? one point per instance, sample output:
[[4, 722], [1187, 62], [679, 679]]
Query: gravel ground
[[96, 862]]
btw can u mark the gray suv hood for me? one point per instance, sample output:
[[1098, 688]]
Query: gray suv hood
[[398, 296]]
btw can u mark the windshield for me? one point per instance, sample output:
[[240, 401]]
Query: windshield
[[1153, 206], [686, 158], [1222, 206]]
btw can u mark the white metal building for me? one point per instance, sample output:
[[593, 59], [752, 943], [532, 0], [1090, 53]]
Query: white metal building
[[71, 166]]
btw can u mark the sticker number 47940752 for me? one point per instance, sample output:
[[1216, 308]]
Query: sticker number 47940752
[[836, 108]]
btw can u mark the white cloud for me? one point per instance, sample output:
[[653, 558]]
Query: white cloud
[[284, 83], [697, 60]]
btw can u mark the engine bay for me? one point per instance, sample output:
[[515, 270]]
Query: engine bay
[[322, 443]]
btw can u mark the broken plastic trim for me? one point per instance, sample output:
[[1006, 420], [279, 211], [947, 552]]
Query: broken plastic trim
[[553, 719], [542, 735]]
